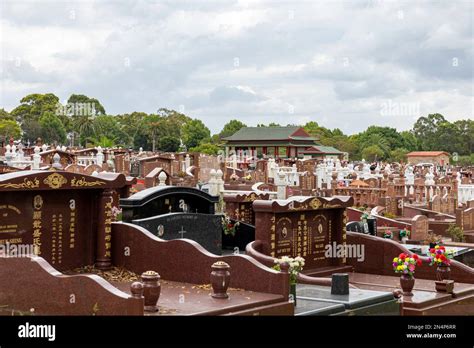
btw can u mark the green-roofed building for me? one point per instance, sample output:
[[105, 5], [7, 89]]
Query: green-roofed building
[[277, 142]]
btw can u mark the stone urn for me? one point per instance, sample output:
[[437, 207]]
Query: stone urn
[[443, 272], [220, 279], [407, 283], [151, 290]]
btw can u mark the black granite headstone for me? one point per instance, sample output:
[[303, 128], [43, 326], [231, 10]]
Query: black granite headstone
[[167, 199], [354, 226], [245, 234], [372, 223], [340, 284], [201, 228]]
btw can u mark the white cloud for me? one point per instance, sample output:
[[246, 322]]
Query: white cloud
[[260, 61]]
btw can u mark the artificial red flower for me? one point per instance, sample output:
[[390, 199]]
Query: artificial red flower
[[432, 250], [402, 256], [442, 257], [415, 256], [418, 262], [442, 247]]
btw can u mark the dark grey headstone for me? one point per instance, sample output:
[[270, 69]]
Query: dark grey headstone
[[202, 228], [161, 200], [354, 226], [340, 284]]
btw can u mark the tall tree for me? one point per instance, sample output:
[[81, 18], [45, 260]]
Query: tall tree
[[169, 144], [425, 129], [109, 127], [33, 106], [82, 105], [194, 133], [231, 127], [5, 115], [372, 153], [53, 130], [9, 128]]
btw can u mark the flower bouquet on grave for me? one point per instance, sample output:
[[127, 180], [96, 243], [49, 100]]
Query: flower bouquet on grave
[[433, 240], [295, 267], [228, 226], [388, 234], [405, 265], [404, 233], [440, 257]]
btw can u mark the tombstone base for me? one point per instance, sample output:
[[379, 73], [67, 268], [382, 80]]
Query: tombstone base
[[444, 286], [103, 265]]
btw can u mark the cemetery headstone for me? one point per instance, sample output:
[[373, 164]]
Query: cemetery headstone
[[303, 226], [239, 205], [419, 228], [172, 212], [66, 217]]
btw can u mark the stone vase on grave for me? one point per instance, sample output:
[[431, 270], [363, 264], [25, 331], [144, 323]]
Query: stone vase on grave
[[407, 283], [151, 290], [220, 279], [443, 272]]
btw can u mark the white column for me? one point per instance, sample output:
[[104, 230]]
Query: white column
[[281, 186]]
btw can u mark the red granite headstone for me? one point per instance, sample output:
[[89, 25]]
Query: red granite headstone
[[419, 228], [302, 226], [66, 216], [239, 206]]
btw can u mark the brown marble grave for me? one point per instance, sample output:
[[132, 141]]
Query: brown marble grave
[[239, 205], [419, 228], [66, 216], [302, 226]]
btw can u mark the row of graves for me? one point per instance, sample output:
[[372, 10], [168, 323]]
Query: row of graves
[[178, 169], [16, 158], [169, 240], [398, 189], [367, 186], [60, 235], [423, 203], [170, 244], [307, 226]]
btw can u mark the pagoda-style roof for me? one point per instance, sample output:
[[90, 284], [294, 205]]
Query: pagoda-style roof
[[249, 134], [323, 150]]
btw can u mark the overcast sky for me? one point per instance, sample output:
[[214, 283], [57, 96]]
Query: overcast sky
[[344, 64]]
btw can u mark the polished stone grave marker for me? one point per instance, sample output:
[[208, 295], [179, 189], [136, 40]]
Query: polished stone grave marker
[[203, 229], [176, 212], [66, 217], [303, 226]]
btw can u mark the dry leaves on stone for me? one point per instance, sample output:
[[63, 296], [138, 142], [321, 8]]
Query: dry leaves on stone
[[209, 287], [116, 274]]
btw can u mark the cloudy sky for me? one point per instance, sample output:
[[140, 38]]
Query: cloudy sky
[[344, 64]]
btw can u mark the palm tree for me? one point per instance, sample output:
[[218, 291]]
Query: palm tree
[[84, 125]]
